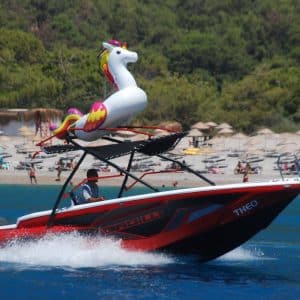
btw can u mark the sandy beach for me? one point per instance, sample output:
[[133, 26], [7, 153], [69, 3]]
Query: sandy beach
[[168, 180], [46, 172]]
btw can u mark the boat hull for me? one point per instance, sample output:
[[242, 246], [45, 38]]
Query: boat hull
[[207, 221], [222, 239]]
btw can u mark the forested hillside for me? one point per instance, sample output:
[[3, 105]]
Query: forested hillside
[[236, 61]]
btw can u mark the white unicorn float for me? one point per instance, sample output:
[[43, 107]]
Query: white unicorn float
[[119, 108]]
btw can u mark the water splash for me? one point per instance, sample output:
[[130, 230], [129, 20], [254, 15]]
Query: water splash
[[76, 251], [242, 254]]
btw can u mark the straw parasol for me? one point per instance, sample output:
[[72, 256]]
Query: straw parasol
[[264, 131], [200, 126], [225, 132], [218, 143], [287, 147], [194, 132], [269, 137], [255, 140], [239, 135], [223, 126], [171, 125], [238, 140], [211, 124]]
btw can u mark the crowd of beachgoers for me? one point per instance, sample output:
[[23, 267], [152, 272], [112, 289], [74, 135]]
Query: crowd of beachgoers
[[223, 159]]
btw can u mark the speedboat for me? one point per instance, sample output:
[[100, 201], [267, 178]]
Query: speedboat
[[208, 220]]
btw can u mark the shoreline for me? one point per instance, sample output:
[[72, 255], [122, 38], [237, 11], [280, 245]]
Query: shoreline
[[159, 180]]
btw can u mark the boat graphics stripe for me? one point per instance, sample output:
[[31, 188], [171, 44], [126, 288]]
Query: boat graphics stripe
[[198, 214]]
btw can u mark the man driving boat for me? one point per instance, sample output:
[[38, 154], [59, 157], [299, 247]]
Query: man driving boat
[[89, 191]]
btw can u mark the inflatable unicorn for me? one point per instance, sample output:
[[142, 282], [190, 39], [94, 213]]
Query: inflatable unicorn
[[119, 108]]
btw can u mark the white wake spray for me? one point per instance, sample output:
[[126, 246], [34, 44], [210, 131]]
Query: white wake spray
[[76, 251], [242, 254]]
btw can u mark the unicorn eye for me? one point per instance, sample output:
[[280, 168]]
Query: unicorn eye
[[118, 52]]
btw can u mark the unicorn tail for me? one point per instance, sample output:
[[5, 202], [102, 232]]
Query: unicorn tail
[[61, 131]]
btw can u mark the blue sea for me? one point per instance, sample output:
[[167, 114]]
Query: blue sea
[[74, 267]]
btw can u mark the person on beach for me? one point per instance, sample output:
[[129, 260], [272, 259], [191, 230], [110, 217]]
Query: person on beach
[[59, 170], [32, 175], [70, 164], [246, 176], [239, 168], [89, 191], [248, 168], [246, 172]]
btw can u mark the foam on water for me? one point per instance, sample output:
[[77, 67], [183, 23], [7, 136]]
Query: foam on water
[[242, 254], [76, 251]]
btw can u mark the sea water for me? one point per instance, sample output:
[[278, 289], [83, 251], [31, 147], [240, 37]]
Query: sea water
[[70, 266]]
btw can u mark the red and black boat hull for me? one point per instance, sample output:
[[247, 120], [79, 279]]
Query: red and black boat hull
[[207, 221]]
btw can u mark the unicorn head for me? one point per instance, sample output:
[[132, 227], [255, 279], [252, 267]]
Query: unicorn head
[[114, 60]]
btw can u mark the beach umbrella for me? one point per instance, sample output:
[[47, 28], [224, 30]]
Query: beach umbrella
[[268, 137], [211, 124], [171, 125], [195, 132], [288, 136], [237, 140], [264, 131], [196, 137], [225, 132], [255, 140], [239, 135], [287, 148], [223, 125], [218, 143], [200, 126]]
